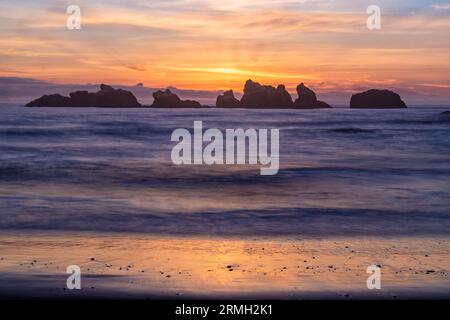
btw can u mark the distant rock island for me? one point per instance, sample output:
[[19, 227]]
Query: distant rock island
[[227, 100], [107, 97], [377, 99], [307, 99], [257, 96], [167, 99]]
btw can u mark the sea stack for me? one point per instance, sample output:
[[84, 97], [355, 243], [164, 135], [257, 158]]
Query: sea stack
[[227, 100], [167, 99], [107, 97], [377, 99], [307, 99], [259, 97]]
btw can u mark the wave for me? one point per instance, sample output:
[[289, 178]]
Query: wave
[[118, 130], [163, 174], [351, 130], [108, 216]]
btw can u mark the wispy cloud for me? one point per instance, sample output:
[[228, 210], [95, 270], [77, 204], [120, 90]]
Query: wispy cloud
[[248, 73], [213, 45], [441, 6]]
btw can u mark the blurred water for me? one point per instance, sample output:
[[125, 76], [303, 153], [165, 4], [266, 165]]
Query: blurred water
[[343, 172]]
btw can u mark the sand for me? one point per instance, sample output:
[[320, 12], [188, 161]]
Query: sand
[[33, 265]]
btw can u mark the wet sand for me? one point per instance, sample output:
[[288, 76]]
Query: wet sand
[[33, 265]]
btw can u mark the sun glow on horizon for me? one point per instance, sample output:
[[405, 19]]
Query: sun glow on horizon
[[217, 45]]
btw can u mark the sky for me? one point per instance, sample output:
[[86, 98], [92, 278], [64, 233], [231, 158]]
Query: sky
[[212, 45]]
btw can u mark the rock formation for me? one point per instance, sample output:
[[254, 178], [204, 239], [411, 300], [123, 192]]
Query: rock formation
[[227, 100], [282, 98], [52, 100], [167, 99], [110, 97], [83, 99], [107, 97], [258, 96], [321, 105], [377, 99], [307, 99]]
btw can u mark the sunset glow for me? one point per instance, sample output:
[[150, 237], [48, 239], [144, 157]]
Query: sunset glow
[[217, 45]]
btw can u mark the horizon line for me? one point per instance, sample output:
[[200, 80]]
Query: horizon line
[[10, 93]]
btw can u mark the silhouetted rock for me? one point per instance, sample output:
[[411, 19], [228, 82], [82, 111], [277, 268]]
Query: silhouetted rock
[[282, 98], [321, 105], [306, 96], [227, 100], [258, 96], [107, 97], [445, 113], [307, 99], [255, 95], [82, 99], [105, 87], [53, 100], [167, 99], [377, 99], [115, 98]]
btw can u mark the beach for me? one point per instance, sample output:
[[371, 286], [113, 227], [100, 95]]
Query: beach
[[148, 267]]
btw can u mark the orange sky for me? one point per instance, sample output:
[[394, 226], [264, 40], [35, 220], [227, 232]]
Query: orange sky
[[215, 45]]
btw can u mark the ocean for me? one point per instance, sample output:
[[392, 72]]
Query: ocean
[[342, 173]]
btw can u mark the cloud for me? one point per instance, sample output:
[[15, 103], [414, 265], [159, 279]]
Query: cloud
[[441, 6], [247, 73], [136, 68]]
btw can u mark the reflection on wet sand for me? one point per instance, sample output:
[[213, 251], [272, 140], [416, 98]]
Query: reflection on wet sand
[[186, 267]]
